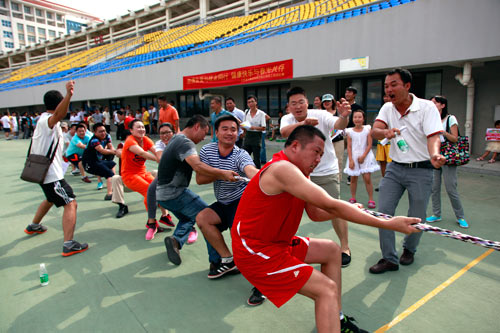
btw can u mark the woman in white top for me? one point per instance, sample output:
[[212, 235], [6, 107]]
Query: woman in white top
[[449, 172], [253, 137]]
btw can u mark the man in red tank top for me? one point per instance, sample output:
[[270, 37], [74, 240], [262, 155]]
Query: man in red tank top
[[265, 247]]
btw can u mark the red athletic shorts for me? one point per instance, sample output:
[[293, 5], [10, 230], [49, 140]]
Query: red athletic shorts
[[278, 272]]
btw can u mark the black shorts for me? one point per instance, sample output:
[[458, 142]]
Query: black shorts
[[226, 213], [100, 168], [58, 192], [74, 159], [6, 130]]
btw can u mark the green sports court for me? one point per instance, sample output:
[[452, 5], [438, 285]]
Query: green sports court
[[124, 283]]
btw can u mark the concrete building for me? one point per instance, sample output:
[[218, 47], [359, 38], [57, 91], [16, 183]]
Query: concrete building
[[445, 43]]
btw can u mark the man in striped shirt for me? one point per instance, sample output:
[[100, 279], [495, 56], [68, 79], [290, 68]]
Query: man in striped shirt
[[219, 216]]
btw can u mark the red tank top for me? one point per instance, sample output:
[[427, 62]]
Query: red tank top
[[267, 218]]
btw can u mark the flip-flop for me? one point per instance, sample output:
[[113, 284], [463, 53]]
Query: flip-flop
[[479, 159], [491, 161]]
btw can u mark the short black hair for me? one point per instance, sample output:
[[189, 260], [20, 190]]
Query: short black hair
[[169, 125], [254, 97], [73, 125], [442, 100], [295, 91], [81, 126], [197, 119], [97, 125], [224, 118], [132, 123], [405, 74], [230, 99], [119, 112], [304, 134], [162, 98], [497, 123], [352, 89], [51, 99]]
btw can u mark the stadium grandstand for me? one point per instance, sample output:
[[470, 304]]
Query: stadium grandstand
[[188, 50]]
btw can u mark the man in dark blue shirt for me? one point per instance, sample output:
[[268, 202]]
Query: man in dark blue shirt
[[92, 159]]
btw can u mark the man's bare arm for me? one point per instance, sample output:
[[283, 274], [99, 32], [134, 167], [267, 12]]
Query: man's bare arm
[[200, 167], [62, 109], [285, 177]]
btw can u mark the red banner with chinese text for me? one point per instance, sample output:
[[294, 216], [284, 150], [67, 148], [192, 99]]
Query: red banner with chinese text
[[278, 70]]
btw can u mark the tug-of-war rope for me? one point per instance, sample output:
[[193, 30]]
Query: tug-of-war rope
[[445, 232], [432, 229]]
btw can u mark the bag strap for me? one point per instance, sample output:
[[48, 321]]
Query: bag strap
[[448, 125], [54, 151], [29, 148]]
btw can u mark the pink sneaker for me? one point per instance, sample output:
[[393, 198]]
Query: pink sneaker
[[152, 230], [352, 200], [371, 204], [193, 236]]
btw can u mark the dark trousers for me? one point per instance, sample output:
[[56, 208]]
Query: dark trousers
[[255, 150]]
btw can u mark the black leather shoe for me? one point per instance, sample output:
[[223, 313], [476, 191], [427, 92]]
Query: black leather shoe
[[383, 266], [406, 258], [122, 211]]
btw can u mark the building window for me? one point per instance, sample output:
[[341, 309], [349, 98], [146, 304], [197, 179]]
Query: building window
[[270, 99], [190, 104], [9, 45], [432, 85], [59, 17], [2, 4], [115, 104], [27, 10], [31, 39], [41, 32], [7, 34], [15, 6], [21, 38], [20, 27], [50, 16], [6, 24], [52, 33], [38, 12], [31, 29]]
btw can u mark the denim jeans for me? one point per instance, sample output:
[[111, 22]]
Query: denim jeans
[[397, 179], [263, 157], [185, 207]]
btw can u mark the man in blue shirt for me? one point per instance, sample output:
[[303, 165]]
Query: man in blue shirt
[[75, 150], [217, 111], [219, 216], [92, 158]]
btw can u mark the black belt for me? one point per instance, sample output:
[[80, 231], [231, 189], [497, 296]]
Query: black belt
[[338, 138], [422, 164]]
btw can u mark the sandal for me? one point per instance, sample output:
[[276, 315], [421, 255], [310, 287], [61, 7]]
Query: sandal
[[479, 159], [492, 161], [352, 200], [372, 204]]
